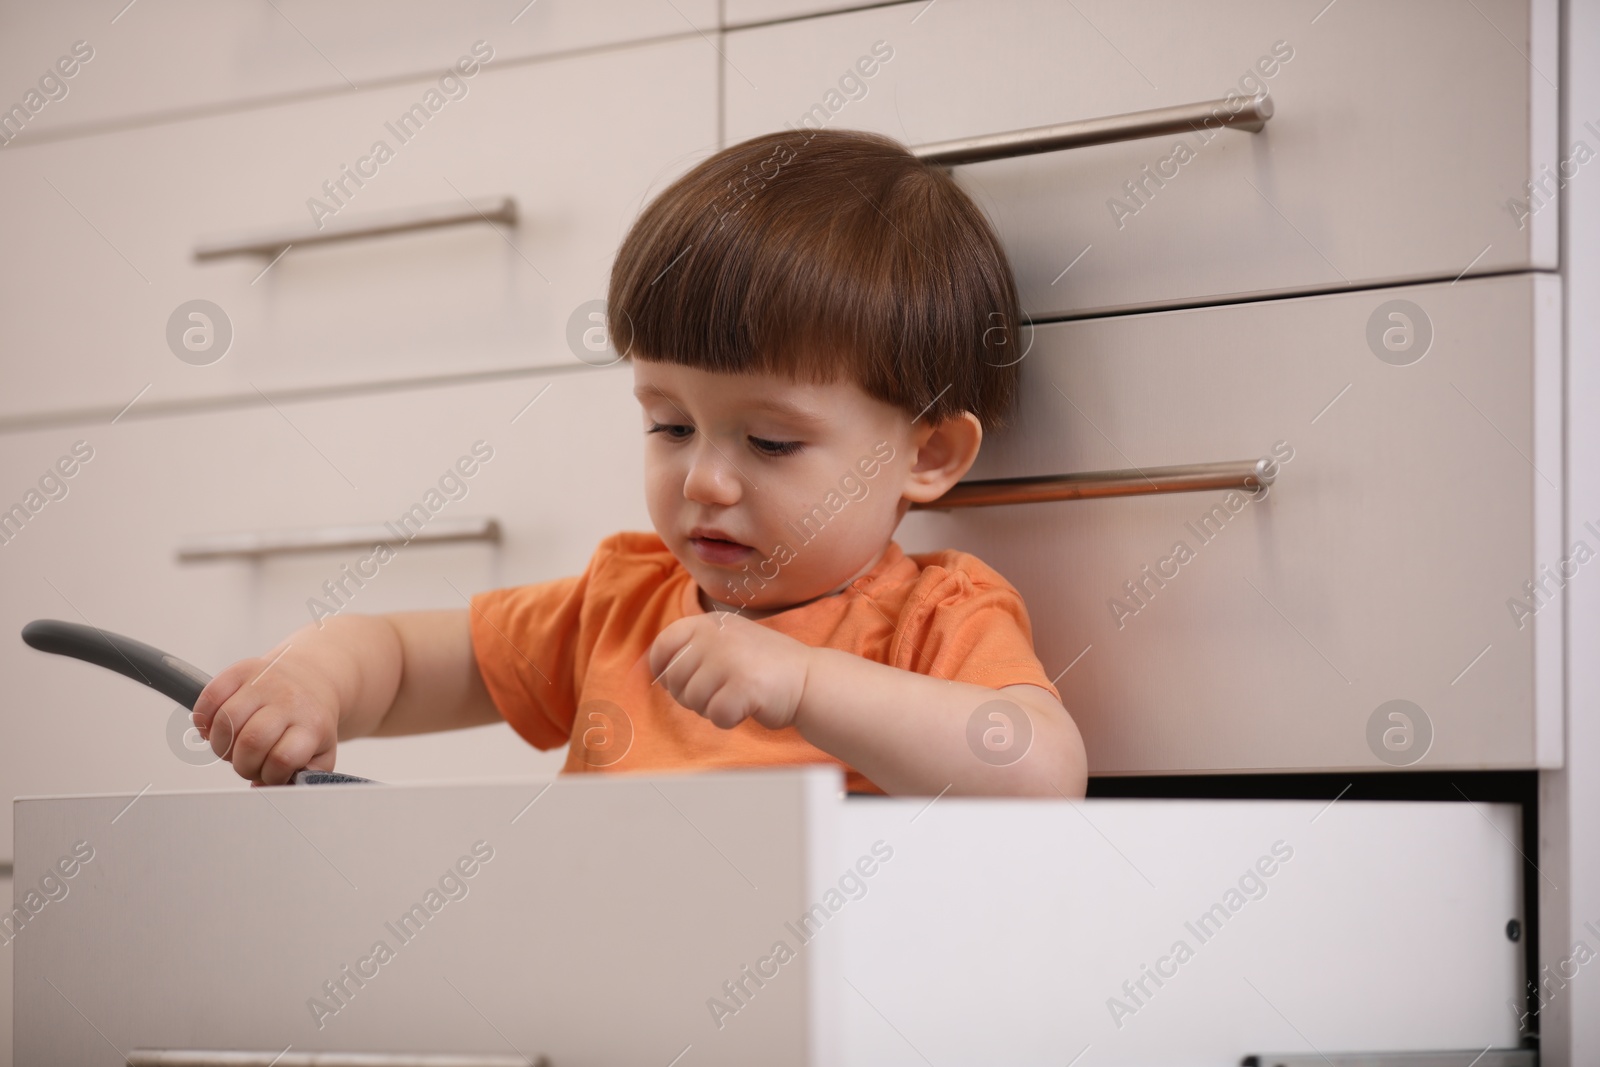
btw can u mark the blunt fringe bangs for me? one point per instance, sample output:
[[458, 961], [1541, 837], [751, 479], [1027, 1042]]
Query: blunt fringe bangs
[[821, 255]]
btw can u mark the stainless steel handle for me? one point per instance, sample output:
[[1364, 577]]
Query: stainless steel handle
[[1181, 118], [406, 220], [155, 1057], [1247, 474], [326, 538]]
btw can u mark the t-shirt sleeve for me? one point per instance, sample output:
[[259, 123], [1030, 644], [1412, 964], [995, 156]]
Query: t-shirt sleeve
[[527, 641], [974, 632]]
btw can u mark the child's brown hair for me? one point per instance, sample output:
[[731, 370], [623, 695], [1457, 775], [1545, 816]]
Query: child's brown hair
[[822, 254]]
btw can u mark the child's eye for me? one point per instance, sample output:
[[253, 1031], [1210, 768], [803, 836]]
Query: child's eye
[[673, 431], [775, 448]]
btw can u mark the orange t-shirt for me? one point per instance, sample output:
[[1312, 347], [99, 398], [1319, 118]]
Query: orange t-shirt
[[566, 661]]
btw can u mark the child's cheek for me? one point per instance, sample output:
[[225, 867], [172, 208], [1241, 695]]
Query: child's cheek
[[659, 492]]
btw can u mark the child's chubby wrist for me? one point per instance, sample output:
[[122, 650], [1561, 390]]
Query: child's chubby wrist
[[821, 665], [331, 662]]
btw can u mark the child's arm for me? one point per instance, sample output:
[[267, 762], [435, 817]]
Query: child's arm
[[909, 733], [354, 675]]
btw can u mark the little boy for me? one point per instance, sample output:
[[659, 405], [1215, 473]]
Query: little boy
[[820, 329]]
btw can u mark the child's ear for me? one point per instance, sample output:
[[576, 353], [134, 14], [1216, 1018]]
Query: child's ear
[[945, 452]]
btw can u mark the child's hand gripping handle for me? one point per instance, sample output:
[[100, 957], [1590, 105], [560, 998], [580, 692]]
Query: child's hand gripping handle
[[166, 674]]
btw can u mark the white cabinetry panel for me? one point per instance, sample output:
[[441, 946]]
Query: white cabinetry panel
[[567, 473], [1220, 634], [105, 252], [972, 932], [1401, 132], [1022, 932], [154, 59]]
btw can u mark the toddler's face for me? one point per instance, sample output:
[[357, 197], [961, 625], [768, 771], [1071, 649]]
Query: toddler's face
[[770, 492]]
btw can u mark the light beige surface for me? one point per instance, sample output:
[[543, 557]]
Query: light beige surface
[[1401, 131], [213, 920], [1569, 801], [153, 60], [118, 215], [6, 982], [1418, 502], [969, 931], [565, 474], [747, 12]]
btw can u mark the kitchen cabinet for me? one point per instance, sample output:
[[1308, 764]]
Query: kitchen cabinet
[[151, 61], [1418, 492], [967, 931], [1402, 140], [566, 471], [110, 246]]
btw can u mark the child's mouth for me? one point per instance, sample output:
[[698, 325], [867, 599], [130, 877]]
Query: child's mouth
[[719, 550]]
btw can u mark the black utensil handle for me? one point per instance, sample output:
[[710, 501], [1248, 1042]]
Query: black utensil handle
[[166, 674]]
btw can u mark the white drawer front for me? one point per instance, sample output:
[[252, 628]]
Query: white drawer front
[[969, 932], [605, 898], [117, 217], [153, 59], [1400, 133], [567, 473], [1024, 932], [1382, 565]]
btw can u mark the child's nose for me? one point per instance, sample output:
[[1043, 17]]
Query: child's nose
[[712, 478]]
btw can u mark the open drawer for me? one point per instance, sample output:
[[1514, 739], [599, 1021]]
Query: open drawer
[[757, 917]]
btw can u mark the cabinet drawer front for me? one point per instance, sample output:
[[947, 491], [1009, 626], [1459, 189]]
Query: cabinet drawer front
[[1388, 562], [156, 59], [995, 931], [674, 881], [565, 474], [118, 217], [1019, 932], [1400, 133]]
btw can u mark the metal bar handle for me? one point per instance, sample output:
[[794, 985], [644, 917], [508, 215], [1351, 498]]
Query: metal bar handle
[[256, 545], [1251, 115], [156, 1057], [501, 209], [1247, 474]]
